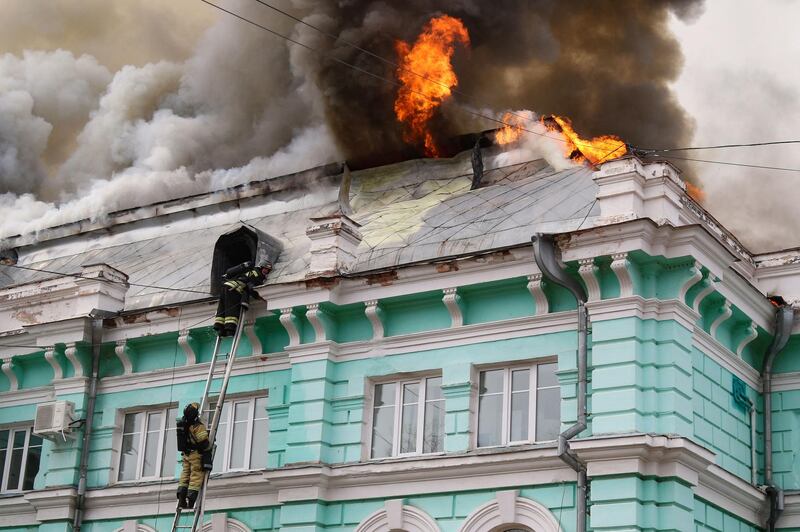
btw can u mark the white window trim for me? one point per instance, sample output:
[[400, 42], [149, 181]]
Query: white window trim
[[164, 410], [25, 450], [251, 399], [507, 510], [398, 516], [398, 415], [508, 367]]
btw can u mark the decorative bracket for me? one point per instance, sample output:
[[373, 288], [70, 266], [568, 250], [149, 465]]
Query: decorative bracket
[[313, 313], [375, 316], [696, 274], [252, 337], [50, 356], [122, 352], [620, 265], [71, 352], [588, 272], [289, 322], [536, 288], [752, 334], [452, 301], [186, 346], [727, 312], [7, 366], [711, 285]]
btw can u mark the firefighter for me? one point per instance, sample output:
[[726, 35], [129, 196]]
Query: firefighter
[[239, 281], [196, 456]]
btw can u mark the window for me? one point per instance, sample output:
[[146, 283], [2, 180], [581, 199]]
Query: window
[[243, 447], [149, 449], [20, 452], [408, 418], [518, 405]]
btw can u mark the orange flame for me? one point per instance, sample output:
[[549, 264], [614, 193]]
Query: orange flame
[[695, 192], [426, 77], [594, 151], [511, 130]]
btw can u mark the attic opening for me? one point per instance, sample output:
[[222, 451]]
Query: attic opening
[[240, 245]]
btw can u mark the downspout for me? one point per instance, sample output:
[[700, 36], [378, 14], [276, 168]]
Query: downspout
[[97, 317], [544, 252], [784, 318]]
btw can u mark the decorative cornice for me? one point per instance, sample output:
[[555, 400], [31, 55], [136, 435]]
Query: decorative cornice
[[785, 382], [536, 288], [732, 494], [727, 312], [696, 274], [711, 286], [122, 352], [71, 352], [646, 309], [50, 356], [186, 346], [790, 517], [588, 272], [250, 331], [289, 322], [7, 366], [53, 504], [452, 301], [727, 359], [313, 315], [28, 396], [620, 265], [374, 314], [750, 335]]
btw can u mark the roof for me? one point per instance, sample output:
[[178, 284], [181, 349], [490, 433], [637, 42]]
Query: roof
[[410, 212]]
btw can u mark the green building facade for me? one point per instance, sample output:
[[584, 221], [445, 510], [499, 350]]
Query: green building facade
[[409, 367]]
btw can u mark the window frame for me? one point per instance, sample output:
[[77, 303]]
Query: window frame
[[233, 400], [164, 410], [398, 406], [533, 389], [6, 465]]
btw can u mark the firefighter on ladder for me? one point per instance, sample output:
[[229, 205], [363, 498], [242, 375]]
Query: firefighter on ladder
[[239, 281], [195, 451]]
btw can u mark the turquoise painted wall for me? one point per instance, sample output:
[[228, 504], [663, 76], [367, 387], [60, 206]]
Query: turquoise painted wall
[[708, 517]]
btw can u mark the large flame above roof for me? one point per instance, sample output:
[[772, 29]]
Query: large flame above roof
[[427, 77]]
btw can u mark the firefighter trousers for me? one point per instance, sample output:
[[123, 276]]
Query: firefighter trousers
[[230, 304], [192, 471]]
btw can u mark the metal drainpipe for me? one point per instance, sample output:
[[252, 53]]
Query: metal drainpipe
[[97, 317], [784, 318], [544, 252]]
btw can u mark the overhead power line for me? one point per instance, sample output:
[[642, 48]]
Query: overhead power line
[[719, 146], [726, 163]]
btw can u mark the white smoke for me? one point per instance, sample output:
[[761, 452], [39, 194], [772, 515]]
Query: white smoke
[[243, 107], [535, 142]]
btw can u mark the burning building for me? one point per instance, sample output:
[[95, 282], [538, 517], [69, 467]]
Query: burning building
[[414, 359]]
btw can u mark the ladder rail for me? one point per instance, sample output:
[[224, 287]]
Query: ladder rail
[[212, 433]]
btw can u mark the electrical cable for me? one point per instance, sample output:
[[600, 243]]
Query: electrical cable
[[123, 283], [744, 165], [719, 146]]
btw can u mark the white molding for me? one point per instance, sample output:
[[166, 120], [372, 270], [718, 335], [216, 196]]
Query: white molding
[[726, 358], [374, 314], [620, 265], [122, 352], [161, 320], [7, 366], [186, 347], [289, 322], [733, 494], [508, 508], [312, 314], [536, 288], [588, 272], [752, 334], [398, 516], [53, 504], [71, 352], [221, 523], [250, 331], [790, 518], [783, 382], [452, 301], [711, 286], [727, 312], [50, 356], [696, 275], [639, 307], [28, 396]]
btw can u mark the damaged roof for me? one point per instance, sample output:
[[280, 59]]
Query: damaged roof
[[409, 212]]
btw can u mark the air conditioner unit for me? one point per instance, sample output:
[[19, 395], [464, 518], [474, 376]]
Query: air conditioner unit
[[54, 419]]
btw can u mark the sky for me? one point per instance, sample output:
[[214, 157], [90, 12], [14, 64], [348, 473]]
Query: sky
[[740, 83]]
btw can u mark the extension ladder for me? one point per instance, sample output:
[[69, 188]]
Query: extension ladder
[[212, 431]]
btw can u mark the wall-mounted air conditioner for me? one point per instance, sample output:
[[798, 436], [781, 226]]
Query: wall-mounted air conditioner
[[54, 419]]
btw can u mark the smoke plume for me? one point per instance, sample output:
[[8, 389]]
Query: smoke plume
[[83, 135]]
